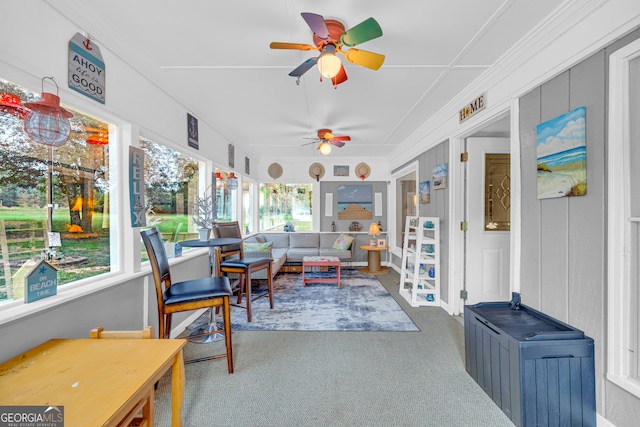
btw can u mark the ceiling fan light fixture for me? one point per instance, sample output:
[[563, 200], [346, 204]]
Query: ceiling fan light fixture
[[324, 148], [329, 64]]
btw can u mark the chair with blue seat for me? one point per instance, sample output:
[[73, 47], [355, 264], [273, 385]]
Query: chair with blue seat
[[208, 292], [230, 260]]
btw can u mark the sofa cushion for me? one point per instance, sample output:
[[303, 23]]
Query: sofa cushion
[[304, 240], [280, 240], [297, 254], [343, 242], [252, 239], [257, 247], [342, 255]]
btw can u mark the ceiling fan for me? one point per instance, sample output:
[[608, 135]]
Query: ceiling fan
[[329, 36], [326, 139]]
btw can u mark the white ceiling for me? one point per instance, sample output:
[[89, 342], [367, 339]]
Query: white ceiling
[[214, 58]]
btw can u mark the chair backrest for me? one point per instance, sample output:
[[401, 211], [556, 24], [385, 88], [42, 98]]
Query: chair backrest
[[159, 262], [226, 230], [146, 333]]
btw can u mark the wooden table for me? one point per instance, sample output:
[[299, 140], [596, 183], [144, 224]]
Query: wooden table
[[98, 382], [373, 261]]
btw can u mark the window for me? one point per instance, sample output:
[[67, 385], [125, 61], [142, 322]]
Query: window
[[624, 219], [247, 206], [54, 201], [172, 183], [226, 199], [282, 203]]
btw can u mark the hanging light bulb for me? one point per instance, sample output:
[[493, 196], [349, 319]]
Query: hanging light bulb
[[232, 181], [329, 64], [47, 122], [324, 148]]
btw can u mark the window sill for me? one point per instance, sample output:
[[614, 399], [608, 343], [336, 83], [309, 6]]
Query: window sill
[[16, 310], [626, 383]]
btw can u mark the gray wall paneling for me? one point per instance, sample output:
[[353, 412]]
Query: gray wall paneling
[[554, 218], [530, 209], [564, 256], [438, 207]]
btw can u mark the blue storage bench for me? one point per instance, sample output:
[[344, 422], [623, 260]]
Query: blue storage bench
[[538, 370]]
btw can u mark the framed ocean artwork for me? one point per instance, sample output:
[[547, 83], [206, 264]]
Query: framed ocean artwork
[[562, 155], [425, 192]]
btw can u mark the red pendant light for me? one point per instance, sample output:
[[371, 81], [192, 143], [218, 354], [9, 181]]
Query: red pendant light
[[47, 122], [10, 104]]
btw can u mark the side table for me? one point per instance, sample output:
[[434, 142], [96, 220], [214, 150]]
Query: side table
[[373, 260]]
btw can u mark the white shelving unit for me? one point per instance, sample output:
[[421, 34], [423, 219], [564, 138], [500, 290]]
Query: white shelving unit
[[420, 276]]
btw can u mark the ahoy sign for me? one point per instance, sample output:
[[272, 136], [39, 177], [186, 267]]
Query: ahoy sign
[[86, 68]]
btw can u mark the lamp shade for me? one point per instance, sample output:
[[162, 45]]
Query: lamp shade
[[47, 122], [374, 230]]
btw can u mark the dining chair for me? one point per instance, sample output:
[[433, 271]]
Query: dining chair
[[146, 333], [208, 292], [143, 413], [230, 259]]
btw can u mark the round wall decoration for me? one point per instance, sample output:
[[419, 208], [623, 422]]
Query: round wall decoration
[[316, 171], [275, 170], [362, 170]]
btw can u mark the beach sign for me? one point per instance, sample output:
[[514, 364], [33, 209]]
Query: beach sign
[[562, 155], [41, 282]]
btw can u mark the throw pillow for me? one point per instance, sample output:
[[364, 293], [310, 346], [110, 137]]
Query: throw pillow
[[343, 242], [257, 247]]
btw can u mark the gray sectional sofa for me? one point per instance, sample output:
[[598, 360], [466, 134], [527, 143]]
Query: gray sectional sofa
[[292, 247]]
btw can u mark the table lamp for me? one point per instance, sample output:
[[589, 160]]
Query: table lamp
[[374, 231]]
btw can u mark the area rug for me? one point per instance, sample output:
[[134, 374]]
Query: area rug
[[361, 303]]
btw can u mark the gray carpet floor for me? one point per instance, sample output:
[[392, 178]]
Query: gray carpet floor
[[318, 378]]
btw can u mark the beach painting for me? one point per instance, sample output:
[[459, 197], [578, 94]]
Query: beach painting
[[562, 156], [440, 176], [355, 202], [425, 192]]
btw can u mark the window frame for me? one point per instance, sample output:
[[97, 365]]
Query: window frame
[[618, 238]]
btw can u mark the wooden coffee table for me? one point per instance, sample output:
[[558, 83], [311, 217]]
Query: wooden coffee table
[[321, 261]]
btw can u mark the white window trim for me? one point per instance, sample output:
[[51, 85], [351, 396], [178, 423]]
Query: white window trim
[[618, 231]]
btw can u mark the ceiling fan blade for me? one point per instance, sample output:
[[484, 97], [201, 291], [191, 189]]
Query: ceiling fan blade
[[327, 135], [296, 46], [368, 29], [309, 143], [342, 138], [304, 67], [317, 24], [336, 143], [341, 77], [363, 58]]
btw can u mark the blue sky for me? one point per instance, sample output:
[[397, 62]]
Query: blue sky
[[562, 133]]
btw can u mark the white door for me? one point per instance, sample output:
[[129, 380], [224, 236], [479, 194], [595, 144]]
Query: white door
[[488, 218]]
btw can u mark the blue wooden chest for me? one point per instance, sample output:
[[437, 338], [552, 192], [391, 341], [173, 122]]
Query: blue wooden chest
[[538, 370]]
